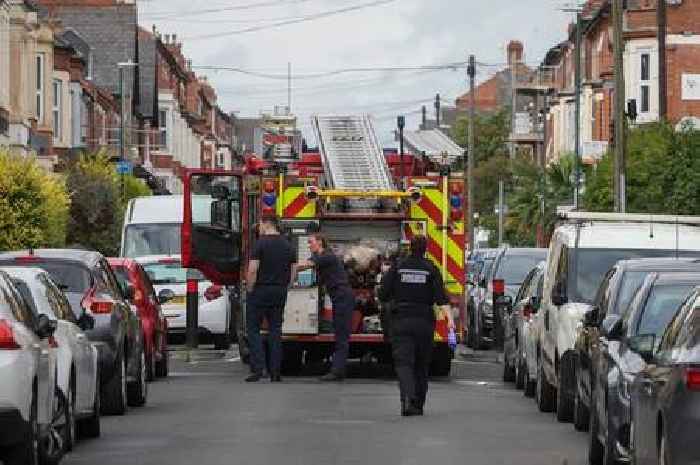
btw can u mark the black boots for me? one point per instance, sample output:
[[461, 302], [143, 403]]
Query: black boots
[[253, 378], [275, 378], [332, 377], [410, 408]]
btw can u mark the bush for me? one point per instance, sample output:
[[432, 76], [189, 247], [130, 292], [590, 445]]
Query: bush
[[97, 210], [34, 205]]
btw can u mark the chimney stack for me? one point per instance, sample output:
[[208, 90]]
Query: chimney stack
[[515, 52]]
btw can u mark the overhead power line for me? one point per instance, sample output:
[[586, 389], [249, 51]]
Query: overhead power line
[[450, 66], [292, 21], [249, 6]]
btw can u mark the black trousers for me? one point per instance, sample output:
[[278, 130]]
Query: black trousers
[[412, 347], [265, 302], [343, 301]]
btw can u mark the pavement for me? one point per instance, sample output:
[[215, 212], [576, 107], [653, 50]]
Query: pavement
[[205, 414]]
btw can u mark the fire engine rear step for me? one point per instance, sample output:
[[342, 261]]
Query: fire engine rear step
[[352, 156]]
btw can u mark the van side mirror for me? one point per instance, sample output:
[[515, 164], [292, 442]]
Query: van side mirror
[[590, 318], [45, 327], [559, 297], [86, 322], [644, 345], [611, 327]]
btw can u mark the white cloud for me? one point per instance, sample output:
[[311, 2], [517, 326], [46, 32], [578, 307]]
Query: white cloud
[[401, 33]]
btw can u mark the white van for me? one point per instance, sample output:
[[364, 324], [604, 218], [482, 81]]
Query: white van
[[152, 224], [151, 234], [581, 251]]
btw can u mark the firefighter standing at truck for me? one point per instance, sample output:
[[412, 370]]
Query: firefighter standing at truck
[[269, 273], [331, 273], [414, 285]]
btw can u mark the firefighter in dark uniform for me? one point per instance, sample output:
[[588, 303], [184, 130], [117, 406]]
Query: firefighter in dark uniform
[[332, 275], [414, 285]]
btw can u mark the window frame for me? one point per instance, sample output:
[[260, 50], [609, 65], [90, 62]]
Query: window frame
[[56, 109], [645, 82], [40, 71]]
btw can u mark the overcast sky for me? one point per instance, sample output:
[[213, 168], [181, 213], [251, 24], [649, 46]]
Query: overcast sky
[[379, 33]]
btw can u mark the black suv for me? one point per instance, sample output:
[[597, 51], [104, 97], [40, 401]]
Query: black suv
[[613, 297], [620, 358], [103, 312]]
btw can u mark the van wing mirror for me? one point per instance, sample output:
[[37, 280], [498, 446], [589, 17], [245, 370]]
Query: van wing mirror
[[211, 226], [559, 297], [590, 318]]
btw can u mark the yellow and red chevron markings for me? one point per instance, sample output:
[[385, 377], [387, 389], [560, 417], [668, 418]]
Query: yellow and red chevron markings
[[430, 208], [295, 204]]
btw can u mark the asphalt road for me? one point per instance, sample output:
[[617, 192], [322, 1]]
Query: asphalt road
[[204, 414]]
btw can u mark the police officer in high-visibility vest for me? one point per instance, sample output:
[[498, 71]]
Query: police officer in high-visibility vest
[[414, 285]]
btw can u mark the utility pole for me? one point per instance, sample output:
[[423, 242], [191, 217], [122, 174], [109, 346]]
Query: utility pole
[[501, 212], [471, 152], [437, 111], [577, 78], [663, 75], [424, 117], [620, 143], [401, 123], [513, 101]]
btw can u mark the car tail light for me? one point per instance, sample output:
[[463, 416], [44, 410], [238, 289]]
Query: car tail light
[[101, 307], [52, 342], [692, 379], [499, 286], [7, 337], [28, 259], [213, 292]]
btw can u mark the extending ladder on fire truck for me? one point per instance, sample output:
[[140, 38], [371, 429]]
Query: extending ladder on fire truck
[[352, 157]]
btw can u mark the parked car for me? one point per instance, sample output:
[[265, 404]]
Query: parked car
[[619, 360], [130, 273], [214, 316], [517, 327], [504, 279], [483, 262], [77, 369], [582, 250], [28, 391], [613, 297], [99, 306], [665, 397]]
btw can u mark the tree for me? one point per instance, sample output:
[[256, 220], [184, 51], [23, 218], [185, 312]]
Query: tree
[[97, 210], [660, 175], [33, 205]]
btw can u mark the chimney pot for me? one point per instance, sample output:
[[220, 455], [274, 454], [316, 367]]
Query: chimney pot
[[515, 52], [174, 38]]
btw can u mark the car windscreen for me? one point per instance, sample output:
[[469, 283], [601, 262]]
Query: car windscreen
[[151, 239], [170, 273], [660, 308], [592, 264], [514, 268], [631, 281], [68, 275]]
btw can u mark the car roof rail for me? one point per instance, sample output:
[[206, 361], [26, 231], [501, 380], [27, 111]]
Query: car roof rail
[[580, 216]]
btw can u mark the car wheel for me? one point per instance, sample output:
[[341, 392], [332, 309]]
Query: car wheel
[[520, 370], [68, 433], [596, 452], [53, 447], [150, 367], [114, 391], [530, 384], [162, 365], [545, 392], [90, 427], [27, 452], [664, 455], [508, 371], [581, 413], [137, 392], [565, 404]]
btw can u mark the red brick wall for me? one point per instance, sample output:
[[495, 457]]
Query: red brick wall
[[681, 59]]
